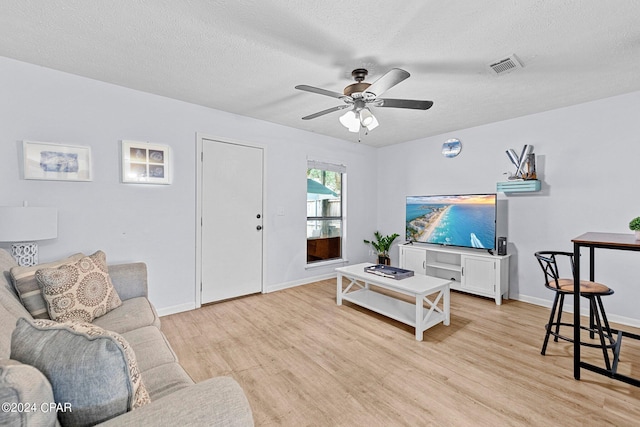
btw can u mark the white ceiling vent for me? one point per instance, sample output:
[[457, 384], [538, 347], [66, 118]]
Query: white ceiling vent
[[505, 65]]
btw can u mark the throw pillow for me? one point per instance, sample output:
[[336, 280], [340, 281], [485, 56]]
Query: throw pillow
[[24, 281], [92, 370], [25, 394], [80, 291]]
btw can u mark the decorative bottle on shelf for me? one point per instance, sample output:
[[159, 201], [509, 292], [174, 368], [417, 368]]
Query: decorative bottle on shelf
[[531, 167]]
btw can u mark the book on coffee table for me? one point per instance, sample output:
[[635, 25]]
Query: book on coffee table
[[388, 271]]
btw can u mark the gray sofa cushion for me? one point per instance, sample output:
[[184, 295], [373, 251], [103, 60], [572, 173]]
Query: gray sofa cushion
[[164, 380], [157, 362], [151, 347], [93, 370], [133, 314], [8, 296], [7, 321], [10, 310], [10, 306], [215, 402], [28, 394], [6, 263], [130, 280]]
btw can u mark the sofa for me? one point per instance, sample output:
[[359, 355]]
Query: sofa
[[170, 396]]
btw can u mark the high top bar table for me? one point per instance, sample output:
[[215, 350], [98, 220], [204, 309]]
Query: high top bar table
[[593, 240]]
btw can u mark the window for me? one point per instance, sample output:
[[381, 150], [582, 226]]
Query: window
[[325, 211]]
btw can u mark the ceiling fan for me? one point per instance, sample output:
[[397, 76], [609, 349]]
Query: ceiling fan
[[358, 97]]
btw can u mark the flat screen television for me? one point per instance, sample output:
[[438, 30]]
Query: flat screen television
[[466, 220]]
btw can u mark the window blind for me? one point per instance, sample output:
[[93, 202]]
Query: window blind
[[314, 164]]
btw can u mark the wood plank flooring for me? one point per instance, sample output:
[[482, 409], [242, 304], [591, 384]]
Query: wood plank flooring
[[304, 361]]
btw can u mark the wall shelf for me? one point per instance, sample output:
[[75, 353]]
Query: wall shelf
[[519, 186]]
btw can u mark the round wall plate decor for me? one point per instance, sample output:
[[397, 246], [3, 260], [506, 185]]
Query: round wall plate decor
[[451, 147]]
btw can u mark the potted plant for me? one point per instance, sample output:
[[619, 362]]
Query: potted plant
[[382, 245], [635, 226]]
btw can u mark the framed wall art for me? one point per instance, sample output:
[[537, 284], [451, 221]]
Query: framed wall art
[[58, 162], [451, 148], [145, 163]]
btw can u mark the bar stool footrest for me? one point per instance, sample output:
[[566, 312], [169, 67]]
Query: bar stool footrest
[[613, 343]]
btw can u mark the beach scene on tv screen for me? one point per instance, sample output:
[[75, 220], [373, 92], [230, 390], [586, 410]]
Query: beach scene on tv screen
[[463, 220]]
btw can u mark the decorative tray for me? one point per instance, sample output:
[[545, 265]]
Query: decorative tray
[[388, 271]]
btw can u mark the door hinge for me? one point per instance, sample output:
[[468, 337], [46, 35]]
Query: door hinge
[[202, 156]]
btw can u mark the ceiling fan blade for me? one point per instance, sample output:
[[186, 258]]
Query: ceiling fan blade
[[312, 89], [404, 103], [323, 112], [387, 81]]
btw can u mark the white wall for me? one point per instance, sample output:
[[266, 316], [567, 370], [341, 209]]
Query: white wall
[[156, 224], [588, 157]]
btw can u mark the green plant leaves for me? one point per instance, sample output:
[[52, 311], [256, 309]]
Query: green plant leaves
[[382, 243]]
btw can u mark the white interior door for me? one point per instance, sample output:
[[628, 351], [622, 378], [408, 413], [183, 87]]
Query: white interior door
[[232, 194]]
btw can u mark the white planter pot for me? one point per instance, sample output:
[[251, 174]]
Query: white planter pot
[[637, 234]]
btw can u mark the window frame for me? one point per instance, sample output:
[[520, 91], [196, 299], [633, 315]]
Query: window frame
[[341, 169]]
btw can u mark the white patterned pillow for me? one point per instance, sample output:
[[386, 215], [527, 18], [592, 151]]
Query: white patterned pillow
[[26, 285], [80, 291], [91, 369]]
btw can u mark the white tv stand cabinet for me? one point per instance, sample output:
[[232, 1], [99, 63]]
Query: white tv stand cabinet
[[469, 270]]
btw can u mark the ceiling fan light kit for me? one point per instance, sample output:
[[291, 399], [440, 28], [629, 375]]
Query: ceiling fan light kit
[[366, 118], [353, 120], [374, 123], [360, 96], [350, 121]]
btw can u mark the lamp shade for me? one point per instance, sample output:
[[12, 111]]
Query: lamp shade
[[28, 224], [374, 123], [350, 121], [366, 118]]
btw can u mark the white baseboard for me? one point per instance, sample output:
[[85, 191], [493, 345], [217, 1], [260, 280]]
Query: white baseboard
[[176, 309], [532, 300], [294, 283], [584, 309]]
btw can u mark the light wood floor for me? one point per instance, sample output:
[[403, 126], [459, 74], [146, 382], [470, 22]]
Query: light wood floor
[[303, 360]]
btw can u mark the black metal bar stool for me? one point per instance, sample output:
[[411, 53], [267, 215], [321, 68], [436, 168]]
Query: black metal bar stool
[[593, 291]]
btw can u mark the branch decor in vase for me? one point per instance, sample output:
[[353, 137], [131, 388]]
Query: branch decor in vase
[[382, 244], [525, 164]]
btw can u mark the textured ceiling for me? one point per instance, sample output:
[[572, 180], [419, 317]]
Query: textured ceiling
[[246, 56]]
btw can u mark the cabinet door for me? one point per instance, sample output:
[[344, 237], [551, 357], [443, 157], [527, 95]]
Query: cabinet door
[[413, 259], [479, 274]]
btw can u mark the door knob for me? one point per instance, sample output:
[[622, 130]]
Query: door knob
[[259, 228]]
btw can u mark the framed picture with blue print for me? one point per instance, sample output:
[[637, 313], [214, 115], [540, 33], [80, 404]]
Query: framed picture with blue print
[[57, 162]]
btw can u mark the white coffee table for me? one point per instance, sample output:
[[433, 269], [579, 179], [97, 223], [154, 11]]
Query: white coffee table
[[418, 286]]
